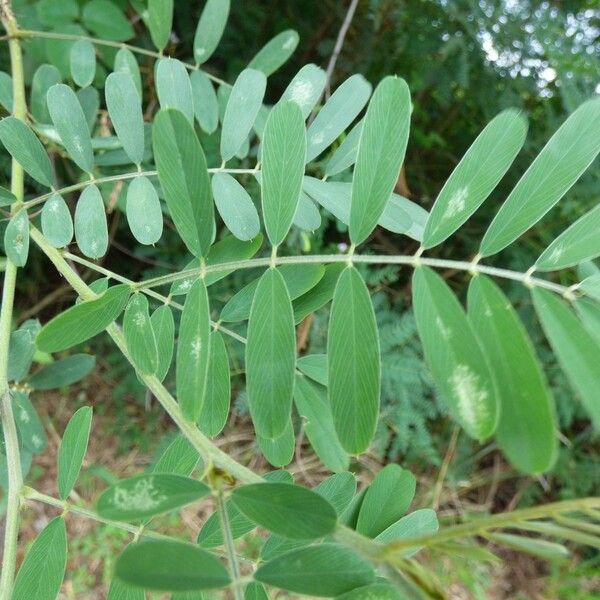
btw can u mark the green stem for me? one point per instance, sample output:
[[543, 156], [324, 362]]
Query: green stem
[[209, 452], [122, 177], [407, 260], [234, 566], [11, 441], [51, 35]]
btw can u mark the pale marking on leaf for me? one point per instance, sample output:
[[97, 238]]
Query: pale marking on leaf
[[139, 319], [143, 496], [470, 395], [444, 331], [23, 416], [36, 440], [456, 203], [289, 43], [196, 347], [318, 138], [557, 253], [301, 92]]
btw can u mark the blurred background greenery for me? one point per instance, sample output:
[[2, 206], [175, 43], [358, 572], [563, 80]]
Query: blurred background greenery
[[464, 61]]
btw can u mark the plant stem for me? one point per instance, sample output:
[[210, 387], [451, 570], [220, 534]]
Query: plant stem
[[234, 567], [13, 458], [51, 35], [407, 260]]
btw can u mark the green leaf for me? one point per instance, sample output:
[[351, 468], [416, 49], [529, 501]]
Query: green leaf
[[193, 351], [255, 591], [144, 496], [144, 213], [475, 177], [120, 591], [43, 569], [323, 570], [29, 424], [16, 238], [70, 123], [210, 29], [280, 450], [235, 207], [44, 78], [58, 51], [89, 99], [174, 87], [345, 155], [565, 157], [306, 88], [21, 350], [589, 313], [354, 363], [283, 158], [23, 145], [83, 62], [591, 286], [286, 509], [57, 225], [125, 62], [386, 500], [536, 547], [577, 351], [376, 591], [139, 334], [312, 405], [6, 197], [398, 216], [179, 458], [217, 395], [337, 114], [170, 566], [52, 13], [270, 356], [275, 52], [183, 175], [125, 110], [107, 20], [298, 279], [227, 250], [163, 325], [457, 362], [307, 215], [160, 20], [242, 108], [314, 366], [72, 450], [62, 373], [91, 229], [338, 490], [417, 523], [83, 321], [319, 295], [206, 107], [580, 242], [6, 91], [380, 155], [527, 428]]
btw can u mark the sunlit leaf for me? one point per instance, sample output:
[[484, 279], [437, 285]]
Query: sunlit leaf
[[306, 88], [170, 566], [337, 114], [91, 229], [235, 206], [380, 155], [72, 450], [243, 105], [458, 364], [57, 224], [144, 496], [275, 52], [174, 87], [125, 110], [183, 175], [210, 29], [270, 356], [557, 167], [193, 351], [354, 363], [289, 510], [43, 569], [476, 176], [527, 428], [83, 321], [26, 149], [577, 351], [323, 570]]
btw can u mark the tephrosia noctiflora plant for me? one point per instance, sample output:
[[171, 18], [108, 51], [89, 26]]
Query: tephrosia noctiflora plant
[[328, 541]]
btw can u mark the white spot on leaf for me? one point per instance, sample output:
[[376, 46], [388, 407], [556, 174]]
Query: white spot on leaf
[[456, 203], [142, 496], [471, 397]]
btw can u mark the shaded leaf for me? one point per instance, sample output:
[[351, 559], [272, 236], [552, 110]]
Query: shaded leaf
[[174, 88], [63, 372], [279, 451], [160, 20], [319, 295], [107, 20], [179, 458], [139, 334], [210, 29], [91, 229], [275, 52], [143, 210], [29, 424], [163, 325], [206, 107], [83, 62], [16, 238], [57, 225], [44, 78], [307, 215], [345, 155], [418, 523], [125, 62], [314, 366], [73, 447]]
